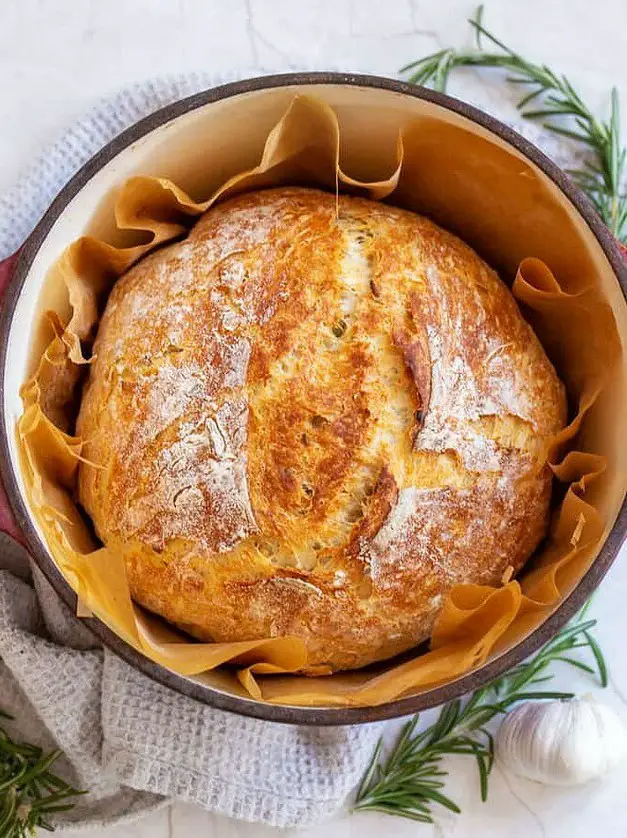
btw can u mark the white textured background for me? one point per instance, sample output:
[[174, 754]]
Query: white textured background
[[58, 56]]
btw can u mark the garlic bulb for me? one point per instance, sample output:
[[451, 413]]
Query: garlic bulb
[[561, 743]]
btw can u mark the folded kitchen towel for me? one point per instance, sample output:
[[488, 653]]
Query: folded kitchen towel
[[132, 742]]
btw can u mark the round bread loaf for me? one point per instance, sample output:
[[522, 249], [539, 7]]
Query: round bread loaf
[[313, 417]]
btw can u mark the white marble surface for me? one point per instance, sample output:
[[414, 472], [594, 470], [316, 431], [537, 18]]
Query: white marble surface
[[57, 57]]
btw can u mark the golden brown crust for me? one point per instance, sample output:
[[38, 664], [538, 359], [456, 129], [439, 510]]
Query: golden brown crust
[[316, 424]]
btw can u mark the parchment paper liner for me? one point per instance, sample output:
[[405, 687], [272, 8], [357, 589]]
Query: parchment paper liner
[[475, 621]]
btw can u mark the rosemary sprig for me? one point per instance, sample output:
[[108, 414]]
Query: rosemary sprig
[[551, 99], [410, 781], [29, 791]]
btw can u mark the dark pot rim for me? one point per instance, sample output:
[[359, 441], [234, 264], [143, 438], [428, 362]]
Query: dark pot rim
[[210, 695]]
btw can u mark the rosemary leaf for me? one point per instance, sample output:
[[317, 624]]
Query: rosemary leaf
[[29, 790], [598, 656]]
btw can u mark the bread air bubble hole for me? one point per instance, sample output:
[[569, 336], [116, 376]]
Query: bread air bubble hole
[[339, 328], [354, 512], [307, 489], [318, 421], [267, 549]]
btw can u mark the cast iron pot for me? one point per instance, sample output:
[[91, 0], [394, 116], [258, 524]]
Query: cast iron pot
[[150, 146]]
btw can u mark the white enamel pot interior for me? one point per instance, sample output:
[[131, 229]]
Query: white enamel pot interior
[[198, 143]]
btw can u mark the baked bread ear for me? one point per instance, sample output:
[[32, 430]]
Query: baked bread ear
[[314, 418]]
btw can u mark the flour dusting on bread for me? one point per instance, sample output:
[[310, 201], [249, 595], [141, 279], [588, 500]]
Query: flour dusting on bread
[[315, 418]]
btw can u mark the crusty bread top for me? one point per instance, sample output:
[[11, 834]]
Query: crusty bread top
[[315, 418]]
